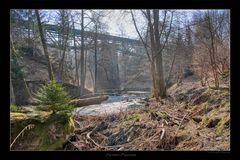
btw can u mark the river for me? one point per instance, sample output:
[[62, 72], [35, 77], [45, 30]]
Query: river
[[114, 104]]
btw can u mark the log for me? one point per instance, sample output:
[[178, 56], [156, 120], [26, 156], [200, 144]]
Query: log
[[88, 101]]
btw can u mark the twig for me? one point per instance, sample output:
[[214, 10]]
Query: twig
[[93, 131], [80, 130], [28, 127], [180, 123], [121, 148], [77, 122], [163, 133]]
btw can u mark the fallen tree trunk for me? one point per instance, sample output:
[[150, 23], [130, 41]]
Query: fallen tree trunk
[[88, 101]]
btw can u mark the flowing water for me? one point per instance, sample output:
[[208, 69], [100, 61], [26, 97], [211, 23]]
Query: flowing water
[[114, 104]]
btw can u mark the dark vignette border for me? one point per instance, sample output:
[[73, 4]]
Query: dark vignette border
[[119, 4]]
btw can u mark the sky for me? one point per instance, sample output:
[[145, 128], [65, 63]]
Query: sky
[[121, 24], [126, 23]]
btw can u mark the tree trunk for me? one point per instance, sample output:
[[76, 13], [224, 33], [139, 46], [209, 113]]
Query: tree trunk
[[160, 85], [76, 59], [82, 56], [29, 26], [170, 71], [50, 71], [212, 53], [95, 61], [12, 96], [153, 50], [65, 37], [88, 101]]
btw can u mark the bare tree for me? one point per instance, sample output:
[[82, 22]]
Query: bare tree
[[64, 25], [76, 55], [158, 34], [44, 44], [82, 54], [210, 35]]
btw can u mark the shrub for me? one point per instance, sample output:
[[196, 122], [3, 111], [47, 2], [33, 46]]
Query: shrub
[[52, 97], [14, 108]]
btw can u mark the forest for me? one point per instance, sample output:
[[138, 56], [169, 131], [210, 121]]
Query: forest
[[120, 80]]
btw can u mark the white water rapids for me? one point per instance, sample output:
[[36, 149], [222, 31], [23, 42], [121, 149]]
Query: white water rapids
[[115, 104]]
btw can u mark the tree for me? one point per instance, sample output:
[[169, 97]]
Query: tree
[[95, 18], [44, 44], [64, 37], [158, 35], [82, 55], [210, 51], [52, 97], [76, 55]]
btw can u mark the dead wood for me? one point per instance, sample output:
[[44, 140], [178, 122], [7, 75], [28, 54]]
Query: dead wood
[[88, 101]]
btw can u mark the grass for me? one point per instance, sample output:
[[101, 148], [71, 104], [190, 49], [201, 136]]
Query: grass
[[221, 125]]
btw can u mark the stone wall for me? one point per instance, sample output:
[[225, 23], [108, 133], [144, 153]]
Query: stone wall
[[22, 97]]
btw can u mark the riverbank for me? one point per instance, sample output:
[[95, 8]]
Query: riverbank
[[193, 118]]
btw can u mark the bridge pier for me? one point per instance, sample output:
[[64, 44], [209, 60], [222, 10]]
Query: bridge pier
[[108, 71]]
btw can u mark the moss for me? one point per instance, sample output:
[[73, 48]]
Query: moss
[[45, 140], [39, 116], [16, 117], [62, 131], [69, 127], [40, 137], [14, 108]]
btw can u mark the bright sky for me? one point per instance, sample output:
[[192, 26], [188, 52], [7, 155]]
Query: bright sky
[[120, 23]]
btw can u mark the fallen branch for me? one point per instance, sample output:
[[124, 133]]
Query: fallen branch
[[181, 123], [81, 130], [88, 137], [88, 101], [99, 127]]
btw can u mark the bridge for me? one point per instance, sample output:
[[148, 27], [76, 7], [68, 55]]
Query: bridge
[[111, 47], [53, 33]]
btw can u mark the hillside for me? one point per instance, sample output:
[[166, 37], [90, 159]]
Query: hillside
[[192, 118]]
